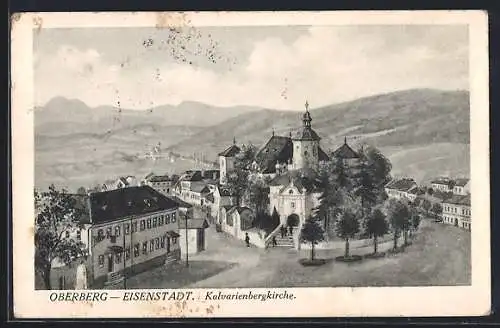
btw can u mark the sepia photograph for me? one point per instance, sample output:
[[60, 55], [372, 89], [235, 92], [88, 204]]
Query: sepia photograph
[[180, 154]]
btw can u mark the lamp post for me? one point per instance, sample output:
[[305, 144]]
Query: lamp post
[[187, 253]]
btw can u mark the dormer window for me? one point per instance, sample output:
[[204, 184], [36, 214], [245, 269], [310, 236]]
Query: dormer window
[[104, 207]]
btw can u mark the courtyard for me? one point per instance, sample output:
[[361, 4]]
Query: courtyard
[[439, 255]]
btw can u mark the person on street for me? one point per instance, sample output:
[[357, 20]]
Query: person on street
[[283, 231], [274, 241], [291, 230], [81, 276], [247, 239]]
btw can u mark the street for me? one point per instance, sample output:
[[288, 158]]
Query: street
[[439, 255]]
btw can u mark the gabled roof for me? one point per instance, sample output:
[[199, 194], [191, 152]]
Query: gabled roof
[[120, 203], [345, 152], [461, 182], [401, 184], [230, 151], [277, 148], [192, 176]]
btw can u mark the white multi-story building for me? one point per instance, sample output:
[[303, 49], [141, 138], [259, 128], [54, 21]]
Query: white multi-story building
[[457, 211]]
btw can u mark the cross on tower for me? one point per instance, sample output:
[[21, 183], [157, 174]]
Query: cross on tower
[[307, 105]]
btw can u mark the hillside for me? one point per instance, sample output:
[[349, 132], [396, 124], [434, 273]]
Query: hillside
[[413, 117], [423, 132]]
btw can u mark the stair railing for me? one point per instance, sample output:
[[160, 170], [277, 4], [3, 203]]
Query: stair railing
[[269, 238]]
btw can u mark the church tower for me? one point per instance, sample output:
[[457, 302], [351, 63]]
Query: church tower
[[306, 144]]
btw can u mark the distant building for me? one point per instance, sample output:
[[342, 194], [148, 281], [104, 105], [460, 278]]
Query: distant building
[[121, 182], [161, 183], [457, 211], [442, 184], [402, 189], [461, 187]]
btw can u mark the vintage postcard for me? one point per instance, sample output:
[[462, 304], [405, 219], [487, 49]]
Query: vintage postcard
[[258, 164]]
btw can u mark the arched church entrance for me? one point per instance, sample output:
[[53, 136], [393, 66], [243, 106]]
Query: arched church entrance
[[292, 220]]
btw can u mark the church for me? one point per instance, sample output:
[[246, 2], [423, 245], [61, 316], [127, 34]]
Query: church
[[289, 163]]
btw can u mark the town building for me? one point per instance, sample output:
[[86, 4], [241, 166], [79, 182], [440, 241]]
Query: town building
[[290, 163], [192, 235], [402, 189], [443, 184], [121, 182], [129, 230], [457, 211], [161, 183], [226, 161], [461, 187]]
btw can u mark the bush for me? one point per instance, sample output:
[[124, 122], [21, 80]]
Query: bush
[[309, 262], [348, 259]]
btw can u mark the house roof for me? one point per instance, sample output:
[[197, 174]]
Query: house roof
[[322, 156], [230, 151], [442, 180], [277, 148], [401, 184], [210, 174], [180, 202], [192, 176], [416, 191], [458, 200], [461, 182], [160, 178], [198, 186], [193, 223], [345, 152], [306, 133], [120, 203]]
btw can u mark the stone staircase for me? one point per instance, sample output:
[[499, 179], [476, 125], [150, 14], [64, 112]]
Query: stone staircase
[[286, 241], [114, 280]]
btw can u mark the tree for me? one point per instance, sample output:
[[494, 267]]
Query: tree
[[426, 205], [399, 214], [312, 233], [372, 176], [437, 209], [237, 179], [347, 227], [258, 195], [336, 184], [376, 226], [81, 191], [56, 213], [275, 219]]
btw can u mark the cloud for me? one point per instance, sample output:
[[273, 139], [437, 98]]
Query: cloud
[[324, 65]]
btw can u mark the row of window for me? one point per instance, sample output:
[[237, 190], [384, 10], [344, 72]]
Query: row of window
[[150, 223], [455, 221], [154, 245], [450, 209], [78, 234]]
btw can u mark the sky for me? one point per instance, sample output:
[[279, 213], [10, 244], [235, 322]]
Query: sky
[[276, 67]]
